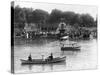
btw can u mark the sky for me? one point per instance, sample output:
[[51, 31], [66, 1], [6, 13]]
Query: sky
[[81, 9]]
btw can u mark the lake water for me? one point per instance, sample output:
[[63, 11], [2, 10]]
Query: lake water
[[86, 58]]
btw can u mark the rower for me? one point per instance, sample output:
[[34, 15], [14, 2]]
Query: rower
[[51, 57], [30, 58]]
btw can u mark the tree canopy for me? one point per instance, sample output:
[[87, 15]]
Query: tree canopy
[[29, 15]]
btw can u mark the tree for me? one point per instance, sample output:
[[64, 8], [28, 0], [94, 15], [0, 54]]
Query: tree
[[28, 15], [87, 20], [55, 16], [68, 15], [19, 17], [76, 20], [39, 15]]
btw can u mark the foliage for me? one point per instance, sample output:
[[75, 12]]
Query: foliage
[[29, 15]]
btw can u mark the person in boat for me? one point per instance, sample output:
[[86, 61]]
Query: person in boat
[[51, 57], [30, 58]]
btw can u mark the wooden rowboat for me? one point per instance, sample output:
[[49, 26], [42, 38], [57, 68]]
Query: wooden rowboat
[[44, 61]]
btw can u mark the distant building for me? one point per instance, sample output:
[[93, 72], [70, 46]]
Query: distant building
[[49, 27], [30, 29]]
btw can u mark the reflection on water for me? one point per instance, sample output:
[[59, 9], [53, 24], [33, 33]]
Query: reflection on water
[[43, 67], [86, 58]]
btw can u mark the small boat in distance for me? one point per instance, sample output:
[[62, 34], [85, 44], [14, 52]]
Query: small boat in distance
[[70, 47], [48, 60], [64, 38]]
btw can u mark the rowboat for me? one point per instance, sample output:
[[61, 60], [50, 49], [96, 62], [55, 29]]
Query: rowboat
[[70, 48], [44, 61]]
